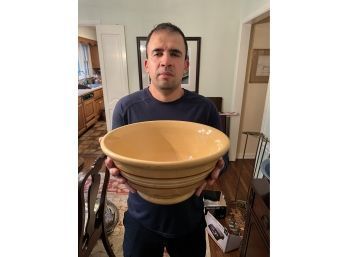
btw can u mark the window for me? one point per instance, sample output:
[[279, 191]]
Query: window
[[84, 62]]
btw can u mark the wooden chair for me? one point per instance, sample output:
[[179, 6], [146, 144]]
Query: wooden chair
[[91, 223]]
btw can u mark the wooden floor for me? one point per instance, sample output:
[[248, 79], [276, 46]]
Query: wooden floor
[[89, 150], [227, 184], [89, 147]]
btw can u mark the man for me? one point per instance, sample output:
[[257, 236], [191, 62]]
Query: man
[[178, 227]]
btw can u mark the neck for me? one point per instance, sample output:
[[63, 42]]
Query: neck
[[166, 95]]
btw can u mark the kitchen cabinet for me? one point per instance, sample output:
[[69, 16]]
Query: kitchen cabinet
[[257, 233], [90, 106], [89, 111], [98, 103], [87, 41], [95, 57], [81, 116]]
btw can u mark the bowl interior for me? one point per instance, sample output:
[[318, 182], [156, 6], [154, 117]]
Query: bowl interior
[[164, 141]]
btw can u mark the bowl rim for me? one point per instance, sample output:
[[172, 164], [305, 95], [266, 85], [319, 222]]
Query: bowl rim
[[170, 164]]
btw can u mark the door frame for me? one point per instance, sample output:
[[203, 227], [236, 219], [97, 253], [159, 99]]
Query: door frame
[[240, 74]]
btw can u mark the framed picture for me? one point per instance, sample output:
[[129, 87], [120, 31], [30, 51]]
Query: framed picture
[[190, 80], [260, 66]]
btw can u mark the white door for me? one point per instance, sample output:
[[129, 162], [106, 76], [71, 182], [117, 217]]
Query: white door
[[113, 64]]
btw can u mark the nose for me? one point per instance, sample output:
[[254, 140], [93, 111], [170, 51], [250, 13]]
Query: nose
[[166, 60]]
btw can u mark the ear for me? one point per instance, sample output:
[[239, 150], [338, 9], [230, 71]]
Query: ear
[[186, 65], [146, 66]]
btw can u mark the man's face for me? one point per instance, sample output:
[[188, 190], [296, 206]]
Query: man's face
[[166, 61]]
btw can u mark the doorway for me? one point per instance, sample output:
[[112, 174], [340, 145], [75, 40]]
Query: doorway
[[243, 99], [255, 91]]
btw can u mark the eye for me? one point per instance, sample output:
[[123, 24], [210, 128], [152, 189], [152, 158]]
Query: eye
[[157, 53], [175, 54]]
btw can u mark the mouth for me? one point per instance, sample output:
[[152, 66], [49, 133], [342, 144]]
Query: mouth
[[166, 74]]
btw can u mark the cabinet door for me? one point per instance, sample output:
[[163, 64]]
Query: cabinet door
[[88, 106], [99, 105], [81, 118], [96, 109], [255, 245], [95, 57]]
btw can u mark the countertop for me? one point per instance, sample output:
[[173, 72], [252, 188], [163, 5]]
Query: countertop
[[86, 91]]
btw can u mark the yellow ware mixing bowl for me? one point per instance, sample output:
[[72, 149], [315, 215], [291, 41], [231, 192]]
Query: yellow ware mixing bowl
[[165, 160]]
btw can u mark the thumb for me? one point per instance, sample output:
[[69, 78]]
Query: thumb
[[201, 188]]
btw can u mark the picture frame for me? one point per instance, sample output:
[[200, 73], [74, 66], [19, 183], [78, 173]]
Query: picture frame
[[260, 66], [190, 79]]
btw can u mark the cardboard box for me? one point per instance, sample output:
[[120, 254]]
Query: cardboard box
[[216, 208], [225, 240]]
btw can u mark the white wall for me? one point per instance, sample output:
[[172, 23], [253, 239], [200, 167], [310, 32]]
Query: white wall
[[251, 7], [217, 22], [87, 32]]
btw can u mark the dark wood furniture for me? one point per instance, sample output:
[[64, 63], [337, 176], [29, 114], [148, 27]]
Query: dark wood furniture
[[91, 223], [224, 116], [217, 101], [256, 241]]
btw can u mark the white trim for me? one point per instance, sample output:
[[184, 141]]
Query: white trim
[[258, 15], [246, 156], [238, 90]]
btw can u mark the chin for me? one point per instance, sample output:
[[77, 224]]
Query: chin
[[167, 86]]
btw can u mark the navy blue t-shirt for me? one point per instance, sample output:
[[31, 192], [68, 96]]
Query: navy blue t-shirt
[[184, 217]]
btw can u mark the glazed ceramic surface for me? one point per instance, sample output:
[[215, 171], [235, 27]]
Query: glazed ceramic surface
[[165, 160]]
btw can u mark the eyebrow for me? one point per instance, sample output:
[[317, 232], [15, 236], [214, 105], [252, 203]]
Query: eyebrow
[[174, 50]]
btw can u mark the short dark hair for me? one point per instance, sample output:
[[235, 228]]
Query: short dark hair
[[170, 28]]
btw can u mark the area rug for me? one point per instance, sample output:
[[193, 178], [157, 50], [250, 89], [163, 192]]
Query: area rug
[[118, 195]]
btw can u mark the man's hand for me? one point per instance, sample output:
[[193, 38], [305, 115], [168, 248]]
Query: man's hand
[[212, 177], [114, 171]]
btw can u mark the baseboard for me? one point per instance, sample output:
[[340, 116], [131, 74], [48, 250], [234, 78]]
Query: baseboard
[[246, 156]]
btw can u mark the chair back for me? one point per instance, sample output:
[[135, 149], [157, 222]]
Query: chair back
[[91, 221]]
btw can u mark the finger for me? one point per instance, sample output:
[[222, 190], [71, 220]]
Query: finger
[[100, 139], [123, 181], [114, 172], [110, 164], [214, 175], [200, 189], [220, 164]]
